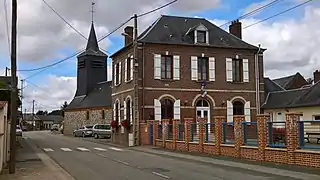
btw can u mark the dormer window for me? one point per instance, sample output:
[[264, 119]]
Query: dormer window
[[202, 36]]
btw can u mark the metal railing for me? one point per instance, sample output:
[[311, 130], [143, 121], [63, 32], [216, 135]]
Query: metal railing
[[228, 133], [277, 134], [159, 131], [250, 133], [194, 132], [209, 133], [169, 131], [309, 134], [181, 132]]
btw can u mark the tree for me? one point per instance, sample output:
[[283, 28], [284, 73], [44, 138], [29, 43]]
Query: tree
[[40, 112], [63, 107]]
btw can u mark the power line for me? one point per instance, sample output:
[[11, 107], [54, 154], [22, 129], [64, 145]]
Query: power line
[[254, 11], [157, 8], [64, 20], [294, 7]]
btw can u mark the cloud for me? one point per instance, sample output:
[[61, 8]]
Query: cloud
[[292, 44]]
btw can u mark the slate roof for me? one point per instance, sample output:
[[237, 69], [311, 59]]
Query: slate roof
[[286, 82], [302, 97], [54, 118], [271, 86], [173, 30], [100, 96]]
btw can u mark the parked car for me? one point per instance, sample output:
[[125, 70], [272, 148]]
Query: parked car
[[84, 131], [18, 131], [55, 127], [101, 131]]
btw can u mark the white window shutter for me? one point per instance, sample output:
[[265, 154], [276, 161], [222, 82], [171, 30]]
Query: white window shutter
[[176, 67], [131, 67], [194, 68], [229, 69], [115, 74], [245, 70], [114, 111], [120, 72], [157, 66], [125, 70], [157, 110], [212, 70], [124, 110], [229, 111], [131, 110], [176, 110], [119, 111], [247, 111]]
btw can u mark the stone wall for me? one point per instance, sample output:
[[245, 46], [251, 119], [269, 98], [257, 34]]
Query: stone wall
[[75, 119]]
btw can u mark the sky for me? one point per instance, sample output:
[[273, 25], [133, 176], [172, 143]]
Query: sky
[[291, 39]]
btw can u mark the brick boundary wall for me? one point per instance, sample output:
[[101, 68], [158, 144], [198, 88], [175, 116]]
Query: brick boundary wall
[[291, 154]]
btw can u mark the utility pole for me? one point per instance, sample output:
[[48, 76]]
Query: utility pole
[[22, 99], [33, 123], [136, 82], [14, 108], [7, 69]]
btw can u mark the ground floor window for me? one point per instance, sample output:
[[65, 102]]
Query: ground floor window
[[238, 108], [167, 109]]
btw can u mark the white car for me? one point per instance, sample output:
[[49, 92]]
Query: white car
[[18, 131], [101, 131]]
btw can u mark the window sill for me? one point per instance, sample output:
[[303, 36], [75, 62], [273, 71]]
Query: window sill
[[168, 80], [235, 82]]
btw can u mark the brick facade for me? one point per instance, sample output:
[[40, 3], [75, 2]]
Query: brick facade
[[291, 154], [74, 119]]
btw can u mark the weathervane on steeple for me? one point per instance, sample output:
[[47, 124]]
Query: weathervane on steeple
[[92, 10]]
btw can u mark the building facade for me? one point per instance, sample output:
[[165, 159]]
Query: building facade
[[92, 101], [188, 68]]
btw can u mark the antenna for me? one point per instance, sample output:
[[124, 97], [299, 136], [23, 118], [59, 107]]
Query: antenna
[[92, 10]]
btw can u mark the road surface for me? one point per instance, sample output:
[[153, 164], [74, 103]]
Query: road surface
[[85, 160]]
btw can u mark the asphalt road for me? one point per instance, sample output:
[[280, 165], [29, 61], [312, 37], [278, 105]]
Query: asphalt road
[[85, 160]]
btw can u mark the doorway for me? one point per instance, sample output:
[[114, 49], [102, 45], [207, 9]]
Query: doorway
[[203, 111]]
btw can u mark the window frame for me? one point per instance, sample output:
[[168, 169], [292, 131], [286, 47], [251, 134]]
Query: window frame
[[165, 71], [103, 116], [165, 111], [128, 106], [200, 61], [236, 108], [87, 115], [237, 72], [117, 73], [204, 36], [129, 69]]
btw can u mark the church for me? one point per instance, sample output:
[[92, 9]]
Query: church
[[92, 101]]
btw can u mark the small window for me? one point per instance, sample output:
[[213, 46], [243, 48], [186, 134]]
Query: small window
[[201, 36], [117, 73], [103, 114], [166, 67], [88, 115], [237, 70], [238, 108], [203, 68], [129, 69], [317, 117]]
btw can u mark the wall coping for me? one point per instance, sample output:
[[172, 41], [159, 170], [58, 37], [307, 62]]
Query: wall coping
[[250, 147], [210, 144], [227, 145], [275, 149], [307, 151]]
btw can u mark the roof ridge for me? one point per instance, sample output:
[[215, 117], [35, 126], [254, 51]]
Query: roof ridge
[[175, 16]]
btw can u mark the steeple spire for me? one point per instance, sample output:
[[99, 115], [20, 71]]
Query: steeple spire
[[92, 43]]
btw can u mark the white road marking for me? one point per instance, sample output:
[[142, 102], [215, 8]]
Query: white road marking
[[100, 149], [122, 162], [66, 149], [115, 149], [48, 149], [82, 149], [161, 175]]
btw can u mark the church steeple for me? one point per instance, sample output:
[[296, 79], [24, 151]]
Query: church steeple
[[92, 43]]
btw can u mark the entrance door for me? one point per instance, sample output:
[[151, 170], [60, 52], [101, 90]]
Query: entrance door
[[203, 112]]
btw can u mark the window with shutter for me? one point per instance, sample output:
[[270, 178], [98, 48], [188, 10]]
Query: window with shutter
[[237, 70], [157, 66], [194, 68], [125, 110], [247, 111], [166, 67], [229, 70], [203, 68], [130, 110], [157, 110], [245, 70], [126, 70], [176, 67], [115, 72], [177, 110], [120, 72], [114, 111], [212, 70], [229, 111]]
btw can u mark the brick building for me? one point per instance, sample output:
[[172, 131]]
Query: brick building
[[188, 67], [92, 101]]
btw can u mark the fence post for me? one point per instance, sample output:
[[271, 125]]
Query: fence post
[[262, 120], [201, 133], [218, 133], [165, 123], [155, 131], [238, 133], [187, 129], [292, 135], [175, 125]]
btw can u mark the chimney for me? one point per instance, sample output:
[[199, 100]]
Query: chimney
[[316, 76], [236, 29], [128, 35]]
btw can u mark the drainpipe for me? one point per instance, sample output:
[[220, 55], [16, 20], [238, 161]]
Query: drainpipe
[[257, 80], [143, 83]]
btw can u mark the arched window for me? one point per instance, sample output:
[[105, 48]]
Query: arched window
[[166, 109], [129, 110], [202, 103], [117, 112], [238, 108]]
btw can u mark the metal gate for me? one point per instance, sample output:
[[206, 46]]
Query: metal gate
[[151, 134]]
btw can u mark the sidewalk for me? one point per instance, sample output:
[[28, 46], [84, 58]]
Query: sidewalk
[[34, 165], [263, 167]]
